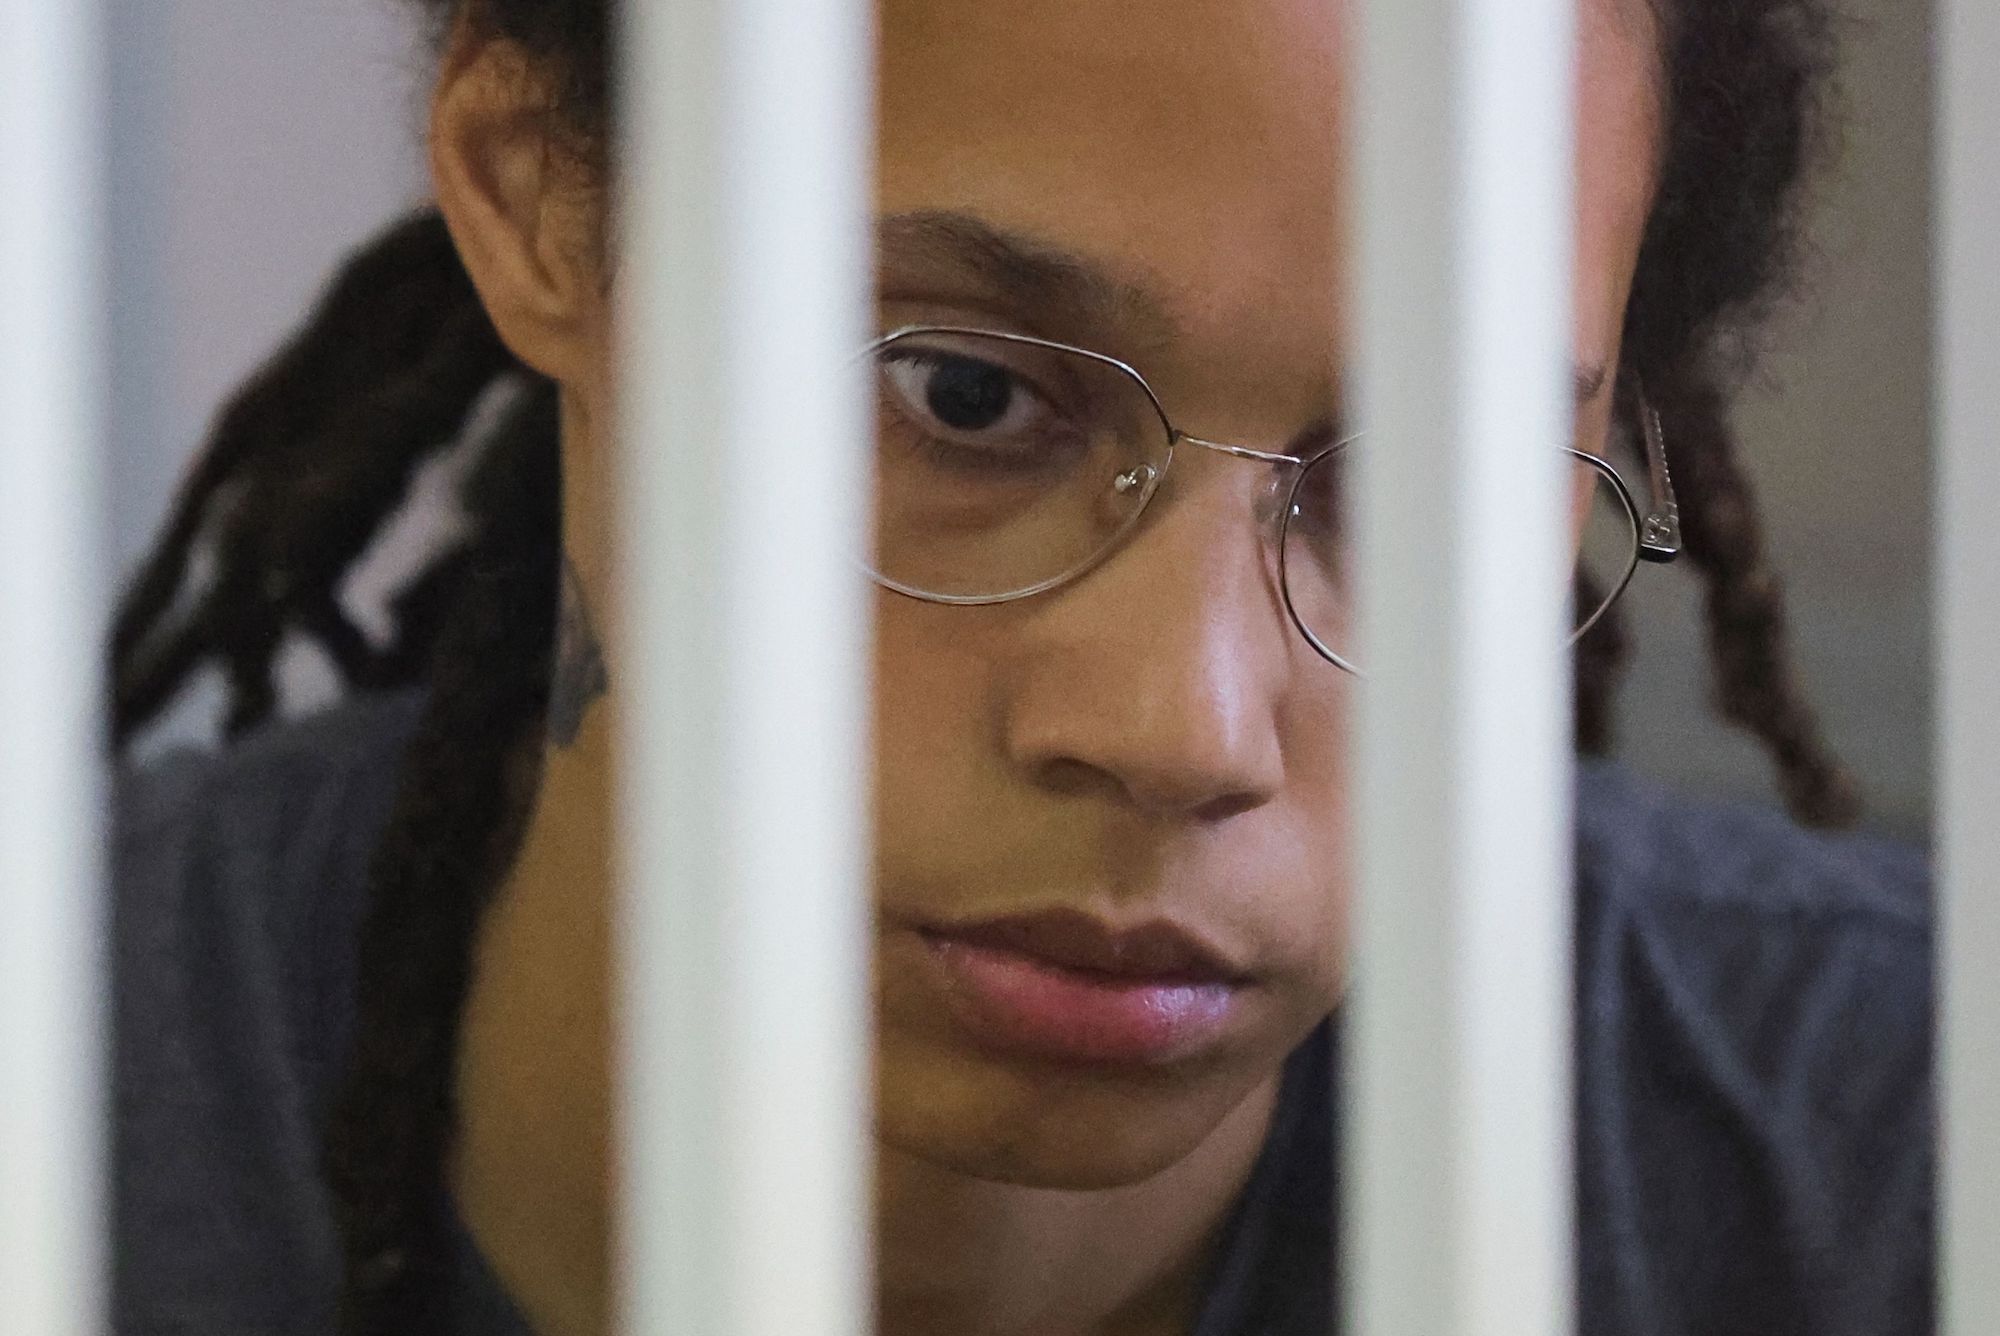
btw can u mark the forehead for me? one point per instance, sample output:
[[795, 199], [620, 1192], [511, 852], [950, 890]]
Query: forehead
[[1137, 131], [1195, 144]]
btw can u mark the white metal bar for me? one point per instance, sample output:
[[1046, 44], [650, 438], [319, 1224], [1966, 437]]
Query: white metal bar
[[1458, 1160], [1968, 641], [51, 995], [746, 153]]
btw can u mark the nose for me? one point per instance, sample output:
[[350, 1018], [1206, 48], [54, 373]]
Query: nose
[[1156, 681]]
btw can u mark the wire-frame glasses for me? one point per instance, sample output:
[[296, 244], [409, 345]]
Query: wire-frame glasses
[[1007, 466]]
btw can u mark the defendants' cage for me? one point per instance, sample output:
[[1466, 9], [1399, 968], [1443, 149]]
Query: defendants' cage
[[746, 159]]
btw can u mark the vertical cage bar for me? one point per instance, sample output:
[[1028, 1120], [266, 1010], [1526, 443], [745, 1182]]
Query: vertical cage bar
[[51, 991], [744, 949], [1968, 641], [1458, 1159]]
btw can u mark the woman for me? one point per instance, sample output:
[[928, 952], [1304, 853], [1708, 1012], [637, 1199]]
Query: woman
[[363, 1050]]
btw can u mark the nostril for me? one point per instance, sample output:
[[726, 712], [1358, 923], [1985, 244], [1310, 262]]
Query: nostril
[[1071, 778], [1219, 809], [1181, 796]]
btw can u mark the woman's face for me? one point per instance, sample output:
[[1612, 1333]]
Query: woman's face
[[1154, 744], [1145, 769]]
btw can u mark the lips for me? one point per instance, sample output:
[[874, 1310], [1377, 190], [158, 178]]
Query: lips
[[1065, 986], [1075, 940]]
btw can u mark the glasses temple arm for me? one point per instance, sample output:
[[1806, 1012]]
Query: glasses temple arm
[[1660, 529]]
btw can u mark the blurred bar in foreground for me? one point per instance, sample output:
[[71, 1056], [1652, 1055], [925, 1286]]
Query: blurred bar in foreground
[[1968, 648], [52, 986], [745, 943], [1458, 1163]]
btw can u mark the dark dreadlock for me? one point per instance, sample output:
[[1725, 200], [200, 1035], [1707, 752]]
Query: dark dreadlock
[[295, 480], [1746, 84], [310, 456]]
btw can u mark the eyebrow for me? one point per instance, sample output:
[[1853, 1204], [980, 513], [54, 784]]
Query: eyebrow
[[1040, 278]]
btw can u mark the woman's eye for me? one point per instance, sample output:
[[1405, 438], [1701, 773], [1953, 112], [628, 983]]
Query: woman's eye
[[966, 400]]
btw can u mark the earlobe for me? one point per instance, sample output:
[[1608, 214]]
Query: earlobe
[[516, 206]]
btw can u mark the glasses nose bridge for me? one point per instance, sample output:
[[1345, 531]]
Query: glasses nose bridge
[[1270, 502]]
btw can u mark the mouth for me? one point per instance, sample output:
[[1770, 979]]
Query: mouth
[[1065, 986]]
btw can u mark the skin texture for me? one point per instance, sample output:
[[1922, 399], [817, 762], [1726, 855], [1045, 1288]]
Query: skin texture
[[1152, 742]]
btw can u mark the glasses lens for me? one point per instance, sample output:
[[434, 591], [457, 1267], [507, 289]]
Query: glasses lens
[[1319, 562], [1607, 541], [1003, 465]]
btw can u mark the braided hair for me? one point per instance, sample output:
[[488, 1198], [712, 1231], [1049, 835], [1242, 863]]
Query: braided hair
[[308, 458]]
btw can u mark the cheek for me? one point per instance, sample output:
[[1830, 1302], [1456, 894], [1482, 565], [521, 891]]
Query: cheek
[[932, 741], [1318, 802], [1582, 494]]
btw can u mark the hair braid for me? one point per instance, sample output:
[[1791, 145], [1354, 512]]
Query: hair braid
[[1756, 685], [301, 467], [467, 783], [1747, 83]]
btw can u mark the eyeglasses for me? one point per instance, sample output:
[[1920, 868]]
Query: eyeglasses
[[1007, 466]]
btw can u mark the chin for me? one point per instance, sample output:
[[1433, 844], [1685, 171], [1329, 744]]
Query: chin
[[1042, 1126]]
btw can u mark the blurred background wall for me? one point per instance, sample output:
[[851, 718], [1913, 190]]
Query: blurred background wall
[[281, 134], [277, 134]]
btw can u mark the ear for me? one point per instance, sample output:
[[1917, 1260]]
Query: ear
[[520, 210]]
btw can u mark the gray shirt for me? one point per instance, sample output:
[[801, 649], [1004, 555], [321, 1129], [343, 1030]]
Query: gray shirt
[[1754, 1118]]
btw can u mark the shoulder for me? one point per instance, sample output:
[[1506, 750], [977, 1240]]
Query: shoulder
[[1647, 845], [1755, 1111], [1769, 953], [237, 881], [269, 776], [244, 869]]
